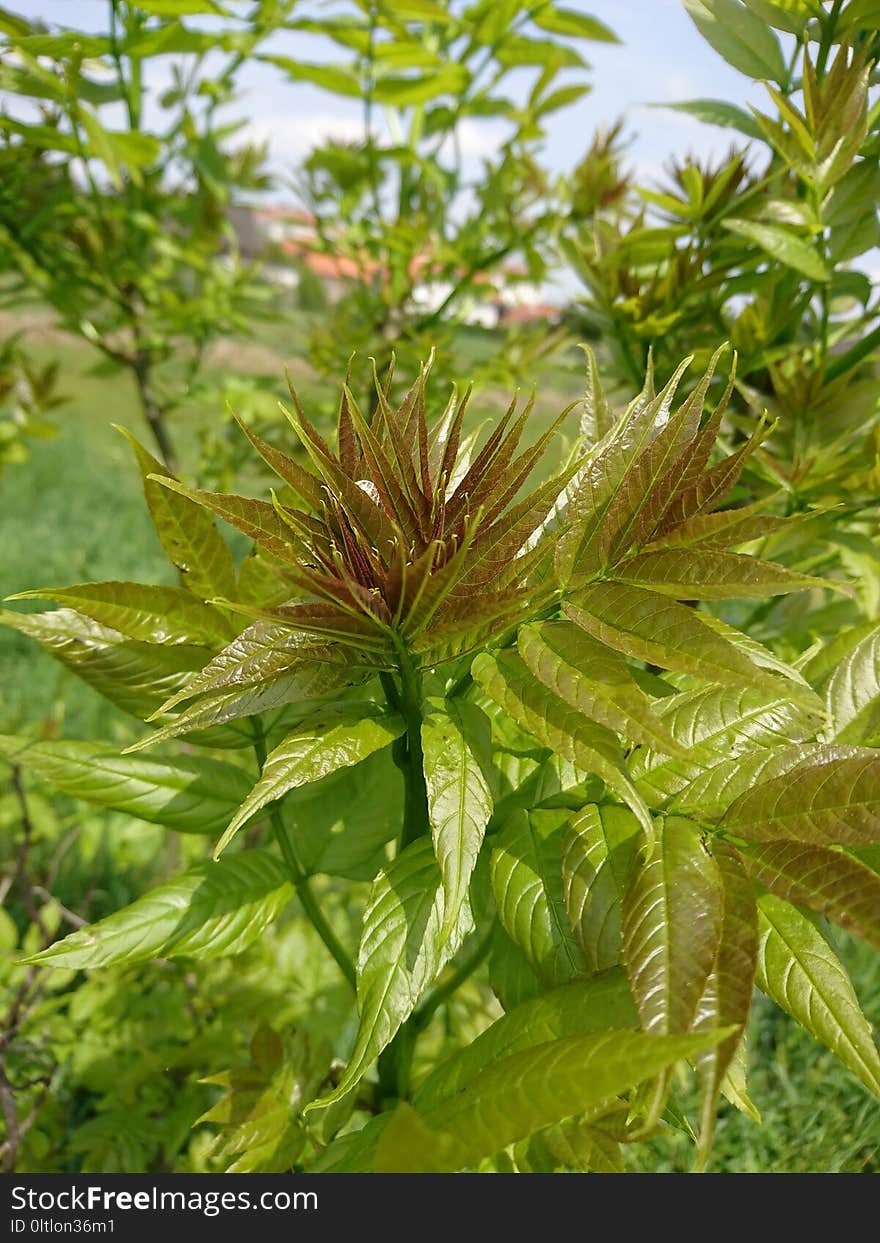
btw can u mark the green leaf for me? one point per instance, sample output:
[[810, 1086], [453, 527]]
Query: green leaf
[[782, 244], [727, 997], [527, 885], [671, 920], [186, 532], [403, 92], [719, 726], [333, 78], [842, 363], [511, 978], [192, 794], [532, 1089], [820, 666], [408, 1146], [647, 626], [832, 798], [353, 1151], [712, 791], [578, 1144], [260, 653], [400, 954], [213, 910], [725, 529], [256, 519], [171, 39], [572, 1009], [306, 686], [788, 15], [179, 8], [690, 574], [136, 677], [315, 749], [517, 50], [341, 823], [590, 747], [161, 615], [598, 852], [799, 970], [133, 148], [827, 881], [561, 21], [561, 98], [643, 441], [853, 694], [597, 417], [592, 679], [459, 798], [422, 11], [719, 112], [740, 36]]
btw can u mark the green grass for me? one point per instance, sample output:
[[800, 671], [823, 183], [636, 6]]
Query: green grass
[[75, 511], [816, 1117]]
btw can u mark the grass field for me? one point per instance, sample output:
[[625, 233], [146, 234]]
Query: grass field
[[75, 512]]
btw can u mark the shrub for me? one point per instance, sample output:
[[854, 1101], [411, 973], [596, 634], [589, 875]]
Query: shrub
[[503, 734]]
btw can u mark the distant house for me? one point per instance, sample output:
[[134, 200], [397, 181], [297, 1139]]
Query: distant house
[[287, 237]]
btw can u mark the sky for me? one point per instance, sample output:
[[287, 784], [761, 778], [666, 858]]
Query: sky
[[661, 58]]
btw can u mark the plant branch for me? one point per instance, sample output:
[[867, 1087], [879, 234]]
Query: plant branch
[[477, 952], [829, 25], [301, 881], [142, 369], [410, 761]]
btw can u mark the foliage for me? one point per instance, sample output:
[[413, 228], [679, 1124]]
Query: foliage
[[496, 762], [310, 292], [766, 247], [28, 393], [508, 729], [423, 232], [119, 230]]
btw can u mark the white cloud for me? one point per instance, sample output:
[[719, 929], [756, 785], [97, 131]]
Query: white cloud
[[480, 138], [290, 137]]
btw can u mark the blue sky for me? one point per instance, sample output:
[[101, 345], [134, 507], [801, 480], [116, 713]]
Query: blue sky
[[662, 58]]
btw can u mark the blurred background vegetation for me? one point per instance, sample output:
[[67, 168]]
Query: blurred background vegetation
[[156, 265]]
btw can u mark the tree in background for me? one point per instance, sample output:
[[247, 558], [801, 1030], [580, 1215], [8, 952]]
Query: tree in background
[[765, 247], [123, 230], [426, 230]]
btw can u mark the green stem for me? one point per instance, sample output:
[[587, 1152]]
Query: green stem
[[477, 952], [827, 38], [301, 880], [408, 701], [395, 1062]]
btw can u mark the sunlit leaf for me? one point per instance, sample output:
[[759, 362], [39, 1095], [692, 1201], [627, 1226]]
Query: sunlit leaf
[[590, 747], [400, 954], [312, 751], [727, 997], [799, 970], [193, 794], [213, 910], [598, 852], [527, 885], [459, 798], [831, 798], [671, 919], [827, 881]]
